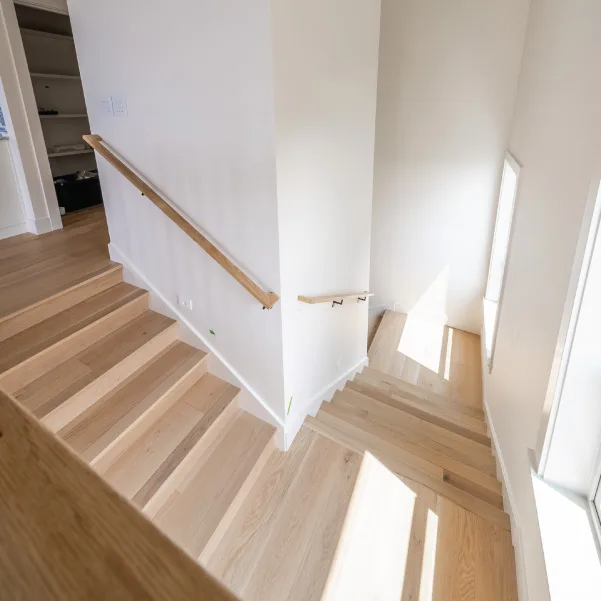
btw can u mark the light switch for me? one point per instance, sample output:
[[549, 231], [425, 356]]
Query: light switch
[[107, 106], [119, 106]]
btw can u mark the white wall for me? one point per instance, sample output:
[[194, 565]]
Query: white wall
[[555, 136], [26, 141], [12, 217], [447, 82], [197, 81], [326, 59]]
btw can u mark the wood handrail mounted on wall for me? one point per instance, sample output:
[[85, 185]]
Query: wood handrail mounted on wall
[[267, 299], [335, 298]]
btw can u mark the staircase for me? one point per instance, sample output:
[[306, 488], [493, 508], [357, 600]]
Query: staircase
[[329, 519]]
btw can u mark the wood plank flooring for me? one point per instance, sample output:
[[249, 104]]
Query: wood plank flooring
[[388, 493]]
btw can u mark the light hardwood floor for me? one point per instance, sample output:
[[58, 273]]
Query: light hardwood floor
[[388, 493]]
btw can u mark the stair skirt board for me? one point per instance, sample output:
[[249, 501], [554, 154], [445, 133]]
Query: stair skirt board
[[250, 400]]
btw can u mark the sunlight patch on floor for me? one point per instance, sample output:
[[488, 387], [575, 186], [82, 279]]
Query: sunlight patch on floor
[[426, 586], [372, 553], [422, 341], [423, 335]]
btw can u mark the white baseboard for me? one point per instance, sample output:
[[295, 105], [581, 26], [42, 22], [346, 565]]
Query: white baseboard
[[325, 394], [218, 365], [508, 496], [13, 230], [39, 226]]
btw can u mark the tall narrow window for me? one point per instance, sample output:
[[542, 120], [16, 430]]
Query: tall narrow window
[[500, 247]]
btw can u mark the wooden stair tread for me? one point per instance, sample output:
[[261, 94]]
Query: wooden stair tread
[[359, 440], [40, 287], [393, 448], [401, 388], [41, 336], [196, 506], [282, 543], [131, 469], [445, 417], [239, 552], [95, 429], [410, 431], [320, 496], [83, 287], [123, 350], [215, 402]]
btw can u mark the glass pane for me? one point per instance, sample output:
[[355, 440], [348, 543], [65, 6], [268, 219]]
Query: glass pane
[[502, 231]]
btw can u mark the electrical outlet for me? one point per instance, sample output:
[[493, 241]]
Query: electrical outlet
[[186, 303]]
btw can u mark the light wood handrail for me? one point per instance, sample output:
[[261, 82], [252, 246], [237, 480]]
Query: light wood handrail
[[66, 535], [314, 300], [267, 299]]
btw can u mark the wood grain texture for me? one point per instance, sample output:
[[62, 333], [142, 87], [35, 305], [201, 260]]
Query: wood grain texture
[[454, 370], [45, 345], [66, 536], [200, 437], [267, 299], [112, 415], [198, 504], [315, 300]]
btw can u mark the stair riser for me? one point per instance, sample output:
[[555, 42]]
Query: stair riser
[[85, 398], [29, 316], [34, 367], [129, 436]]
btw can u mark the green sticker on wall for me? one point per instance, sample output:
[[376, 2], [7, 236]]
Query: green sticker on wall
[[212, 332], [289, 405]]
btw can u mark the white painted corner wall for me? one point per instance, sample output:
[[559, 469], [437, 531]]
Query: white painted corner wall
[[555, 136], [325, 55], [447, 80]]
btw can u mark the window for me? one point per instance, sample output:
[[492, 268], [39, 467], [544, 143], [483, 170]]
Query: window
[[500, 247]]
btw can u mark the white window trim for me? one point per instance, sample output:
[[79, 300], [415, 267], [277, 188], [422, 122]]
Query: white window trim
[[486, 304]]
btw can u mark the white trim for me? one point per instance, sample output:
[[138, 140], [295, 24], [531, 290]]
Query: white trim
[[13, 230], [324, 395], [517, 168], [509, 503], [39, 226], [132, 275]]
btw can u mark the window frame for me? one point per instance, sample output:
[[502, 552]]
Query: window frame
[[510, 160]]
